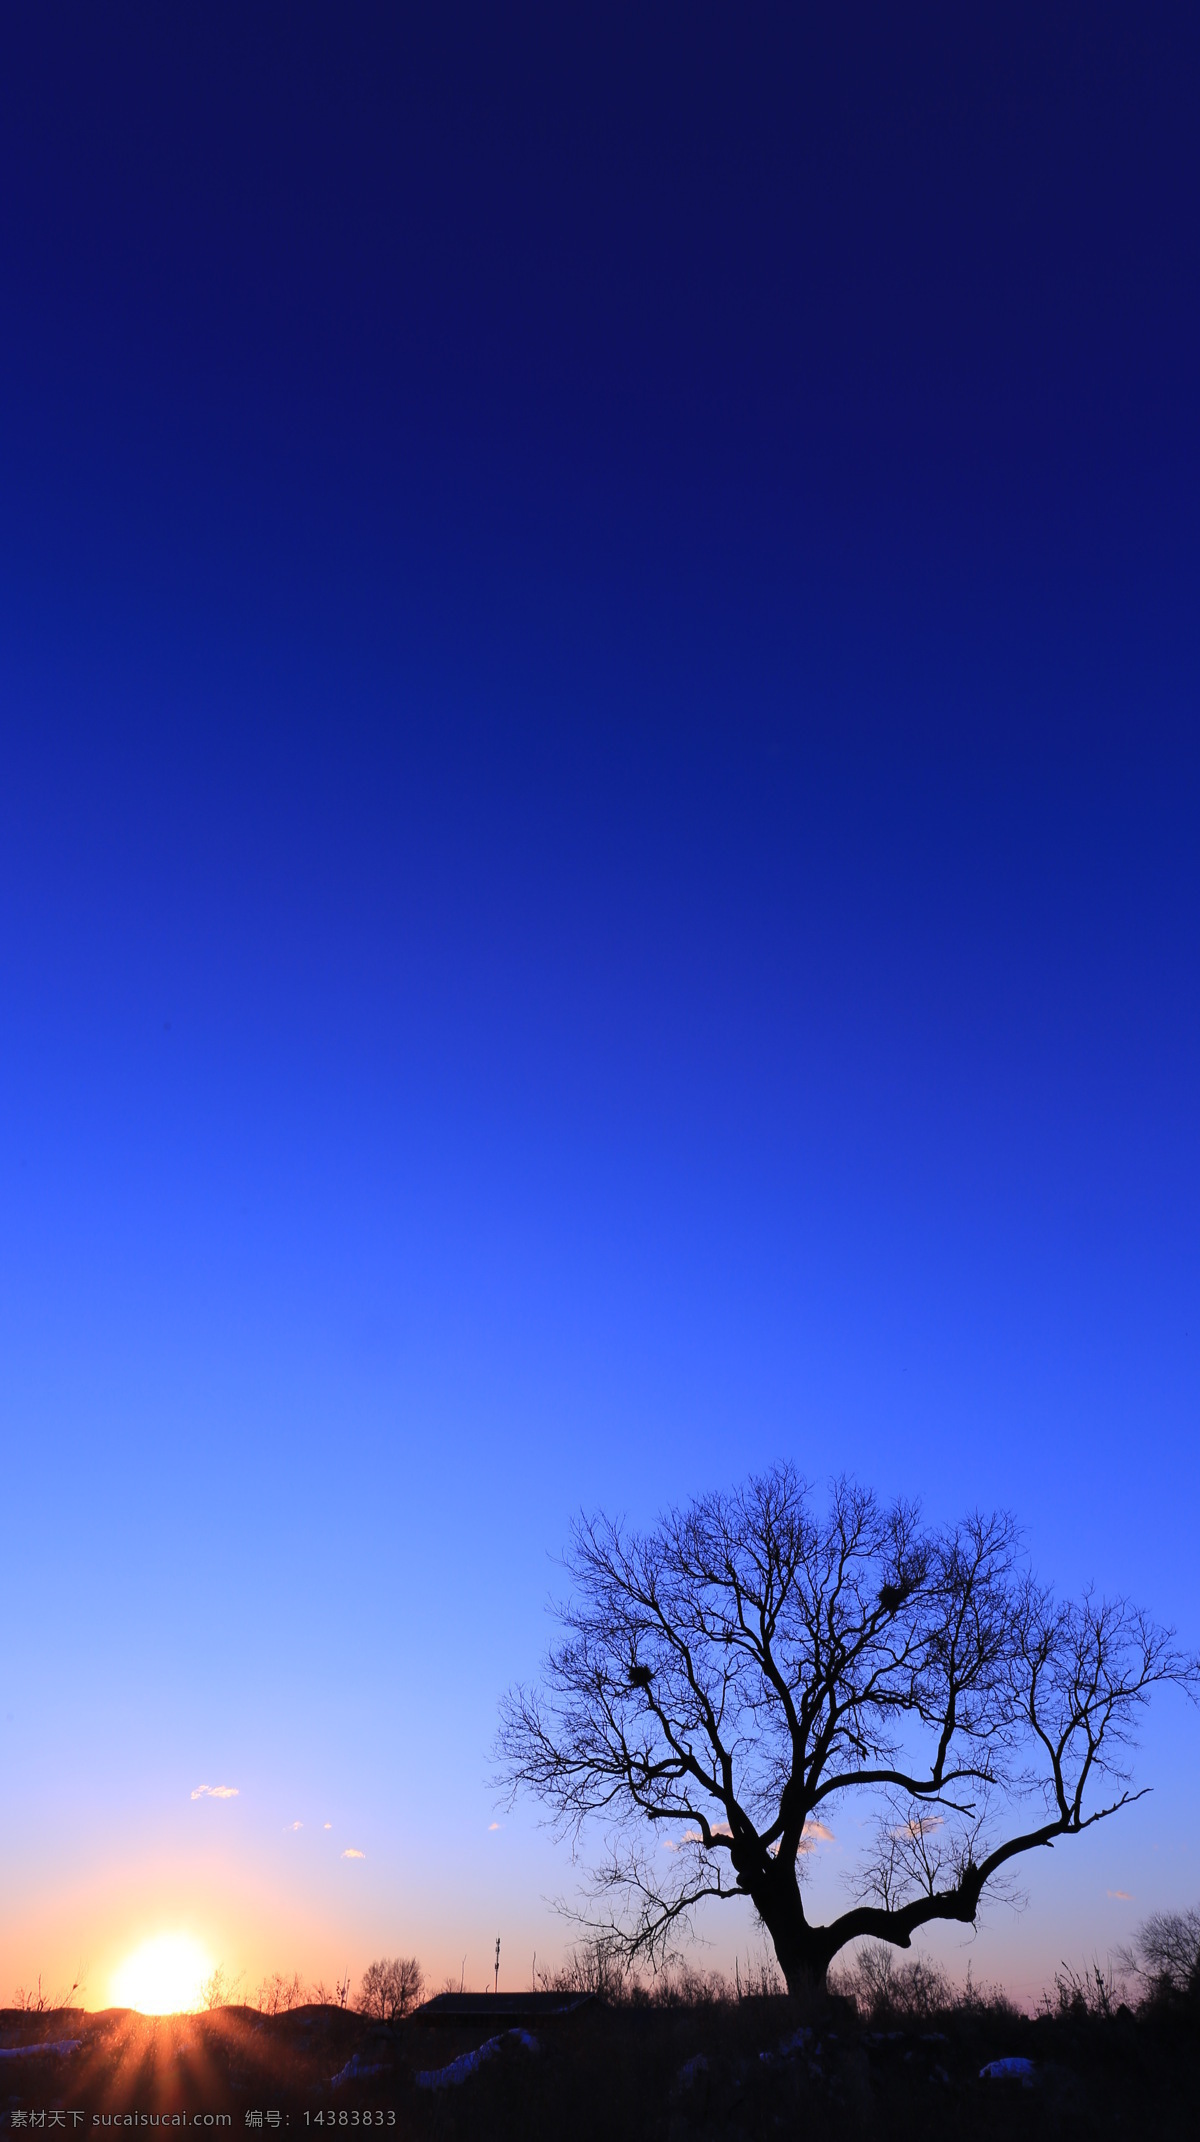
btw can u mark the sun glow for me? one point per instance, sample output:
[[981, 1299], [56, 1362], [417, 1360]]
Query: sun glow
[[165, 1977]]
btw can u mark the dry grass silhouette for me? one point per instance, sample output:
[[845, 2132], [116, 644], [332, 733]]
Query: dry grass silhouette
[[893, 2050]]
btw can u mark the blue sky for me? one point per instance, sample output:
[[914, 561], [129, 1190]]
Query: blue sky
[[599, 871]]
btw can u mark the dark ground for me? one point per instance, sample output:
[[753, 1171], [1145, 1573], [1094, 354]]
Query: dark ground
[[613, 2073]]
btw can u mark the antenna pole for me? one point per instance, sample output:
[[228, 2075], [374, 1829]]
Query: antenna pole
[[497, 1985]]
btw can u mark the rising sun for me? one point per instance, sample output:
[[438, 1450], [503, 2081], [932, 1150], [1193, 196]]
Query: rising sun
[[165, 1977]]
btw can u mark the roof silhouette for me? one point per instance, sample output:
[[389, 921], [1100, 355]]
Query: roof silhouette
[[499, 2007]]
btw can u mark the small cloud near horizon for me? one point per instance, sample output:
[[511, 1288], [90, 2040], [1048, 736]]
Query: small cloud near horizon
[[351, 1853], [495, 1825], [215, 1792], [1125, 1896], [295, 1825], [327, 1825]]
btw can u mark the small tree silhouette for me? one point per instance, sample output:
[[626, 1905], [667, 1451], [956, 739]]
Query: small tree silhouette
[[220, 1990], [391, 1986], [1165, 1954], [277, 1994]]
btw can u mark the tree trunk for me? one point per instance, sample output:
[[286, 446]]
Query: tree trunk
[[805, 1983], [802, 1951]]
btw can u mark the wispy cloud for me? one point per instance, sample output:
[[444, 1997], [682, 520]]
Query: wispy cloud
[[1124, 1896], [215, 1792], [295, 1825], [920, 1826], [351, 1853], [327, 1825], [495, 1825], [813, 1834]]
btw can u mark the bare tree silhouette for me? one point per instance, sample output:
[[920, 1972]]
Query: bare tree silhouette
[[1165, 1953], [728, 1680], [390, 1987]]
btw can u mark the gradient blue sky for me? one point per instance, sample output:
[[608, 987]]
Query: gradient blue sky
[[598, 848]]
